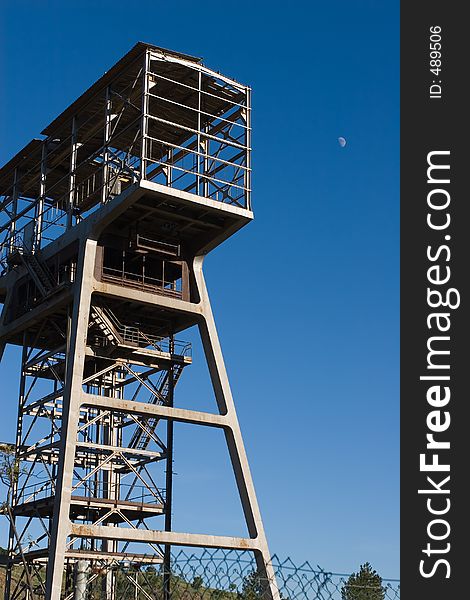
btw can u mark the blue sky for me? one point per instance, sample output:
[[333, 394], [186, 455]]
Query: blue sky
[[306, 297]]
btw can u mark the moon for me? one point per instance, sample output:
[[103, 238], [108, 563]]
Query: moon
[[342, 142]]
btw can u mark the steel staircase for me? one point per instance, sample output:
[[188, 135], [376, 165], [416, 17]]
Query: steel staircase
[[140, 439], [105, 321], [118, 334], [39, 272]]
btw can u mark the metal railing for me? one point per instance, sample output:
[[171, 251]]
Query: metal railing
[[163, 130], [137, 494], [134, 335], [142, 281], [131, 334]]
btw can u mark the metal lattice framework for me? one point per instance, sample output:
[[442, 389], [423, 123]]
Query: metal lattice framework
[[155, 116], [105, 224]]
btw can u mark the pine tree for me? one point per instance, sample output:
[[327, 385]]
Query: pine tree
[[252, 587], [364, 585]]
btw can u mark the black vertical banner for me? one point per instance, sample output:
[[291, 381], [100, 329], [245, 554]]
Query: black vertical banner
[[435, 301]]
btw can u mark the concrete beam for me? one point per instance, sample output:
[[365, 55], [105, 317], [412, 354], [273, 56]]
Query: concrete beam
[[181, 415], [163, 537], [149, 298]]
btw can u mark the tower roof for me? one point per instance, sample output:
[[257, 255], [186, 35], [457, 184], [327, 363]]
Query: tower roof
[[122, 64]]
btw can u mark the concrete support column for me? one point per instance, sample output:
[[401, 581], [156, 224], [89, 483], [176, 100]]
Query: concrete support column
[[233, 436], [71, 408]]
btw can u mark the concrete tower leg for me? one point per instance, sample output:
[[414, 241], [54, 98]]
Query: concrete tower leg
[[78, 325], [233, 436]]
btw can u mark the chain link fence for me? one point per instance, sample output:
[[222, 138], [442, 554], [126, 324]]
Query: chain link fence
[[214, 575], [233, 575]]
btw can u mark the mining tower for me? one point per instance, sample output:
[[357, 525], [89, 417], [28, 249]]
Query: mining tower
[[105, 223]]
